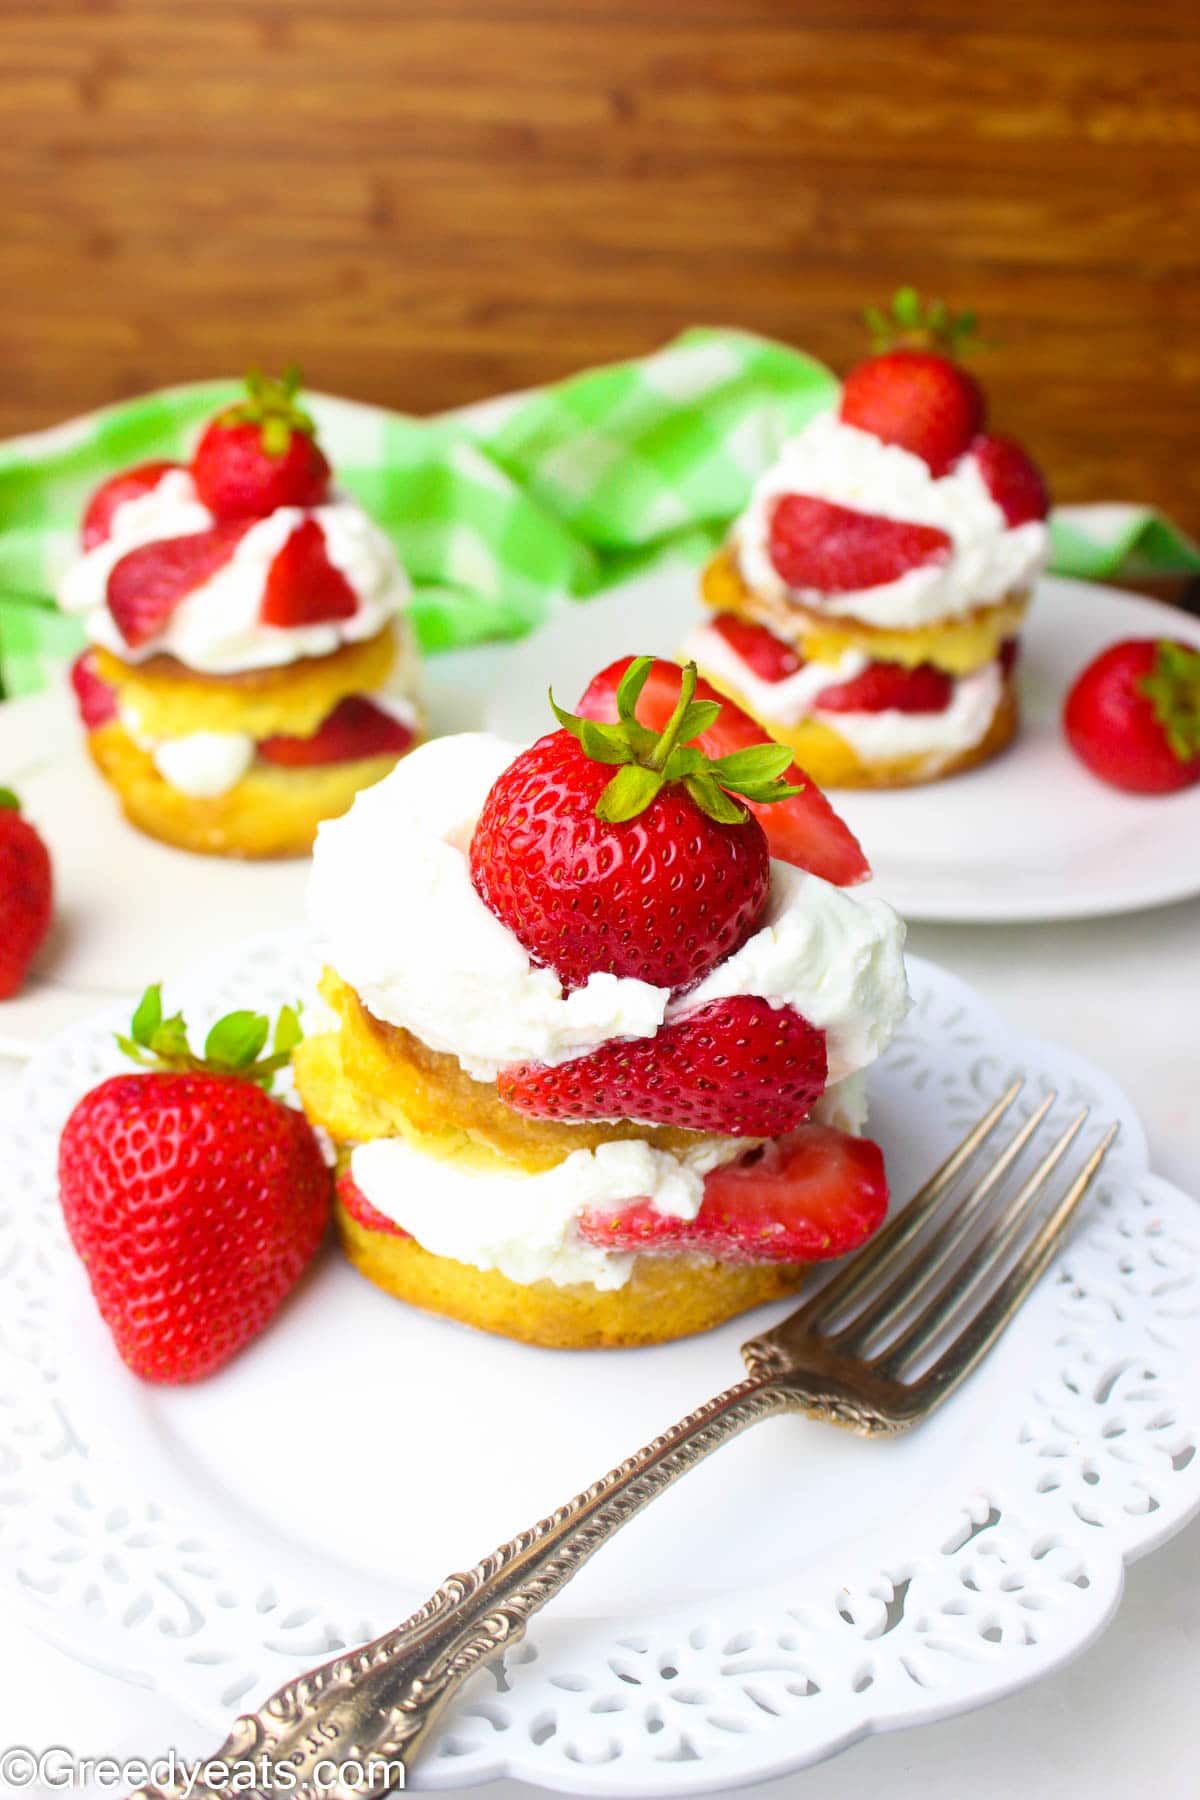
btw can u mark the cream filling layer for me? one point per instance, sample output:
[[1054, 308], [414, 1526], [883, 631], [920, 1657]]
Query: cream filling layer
[[524, 1226], [988, 559], [216, 628], [873, 736]]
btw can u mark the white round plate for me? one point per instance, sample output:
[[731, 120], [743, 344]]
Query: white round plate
[[1029, 836], [128, 909], [802, 1588]]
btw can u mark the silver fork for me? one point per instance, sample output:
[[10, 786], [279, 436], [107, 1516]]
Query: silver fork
[[876, 1349]]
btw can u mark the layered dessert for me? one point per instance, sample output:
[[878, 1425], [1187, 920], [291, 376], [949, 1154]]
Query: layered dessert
[[250, 667], [867, 605], [591, 1051]]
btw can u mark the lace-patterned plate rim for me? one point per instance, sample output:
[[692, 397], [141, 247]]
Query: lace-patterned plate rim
[[989, 1584]]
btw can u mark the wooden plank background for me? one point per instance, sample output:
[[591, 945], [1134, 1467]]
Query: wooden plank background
[[426, 204]]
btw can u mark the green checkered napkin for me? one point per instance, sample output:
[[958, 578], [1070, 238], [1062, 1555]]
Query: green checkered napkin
[[500, 509]]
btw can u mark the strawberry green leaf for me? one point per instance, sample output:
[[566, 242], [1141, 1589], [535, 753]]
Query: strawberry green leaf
[[147, 1016], [698, 717], [8, 800], [629, 793], [237, 1040], [630, 690], [759, 762], [714, 801], [287, 1031], [605, 743]]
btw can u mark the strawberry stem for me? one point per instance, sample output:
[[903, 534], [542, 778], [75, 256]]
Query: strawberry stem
[[660, 755], [922, 325], [1173, 689], [271, 403]]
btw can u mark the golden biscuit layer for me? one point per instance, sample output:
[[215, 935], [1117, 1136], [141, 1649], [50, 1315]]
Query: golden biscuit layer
[[270, 812], [665, 1297], [959, 646], [370, 1080], [170, 700]]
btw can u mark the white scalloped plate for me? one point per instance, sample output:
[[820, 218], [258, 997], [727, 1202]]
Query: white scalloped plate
[[1030, 836], [802, 1588]]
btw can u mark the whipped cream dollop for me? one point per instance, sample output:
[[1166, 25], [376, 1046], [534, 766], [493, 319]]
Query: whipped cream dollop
[[395, 914], [832, 461], [874, 736], [216, 628]]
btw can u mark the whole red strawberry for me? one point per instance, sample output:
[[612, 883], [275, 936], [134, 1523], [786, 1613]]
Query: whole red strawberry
[[914, 394], [26, 893], [613, 849], [261, 453], [194, 1199], [1133, 715], [739, 1066], [130, 484]]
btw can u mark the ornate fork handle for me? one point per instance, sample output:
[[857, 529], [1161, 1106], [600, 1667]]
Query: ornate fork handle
[[373, 1708]]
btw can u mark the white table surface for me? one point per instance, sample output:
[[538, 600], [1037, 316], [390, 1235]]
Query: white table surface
[[1120, 1721]]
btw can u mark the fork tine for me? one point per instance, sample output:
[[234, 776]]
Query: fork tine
[[985, 1256], [882, 1252], [980, 1332], [916, 1278]]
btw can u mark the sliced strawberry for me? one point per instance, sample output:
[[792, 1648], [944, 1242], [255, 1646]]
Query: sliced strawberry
[[761, 651], [146, 586], [890, 687], [1012, 479], [303, 587], [814, 1194], [355, 728], [739, 1066], [815, 544], [130, 484], [804, 830], [355, 1203], [919, 400], [97, 699]]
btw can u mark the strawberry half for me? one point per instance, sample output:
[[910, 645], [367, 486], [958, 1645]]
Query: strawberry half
[[803, 830], [355, 1203], [195, 1200], [919, 400], [890, 687], [762, 652], [303, 587], [148, 583], [354, 729], [739, 1066], [95, 697], [814, 1194], [817, 544], [1012, 479], [130, 484], [261, 453], [614, 849]]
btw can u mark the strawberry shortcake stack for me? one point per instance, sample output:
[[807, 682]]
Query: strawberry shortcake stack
[[250, 666], [594, 1021], [867, 603]]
